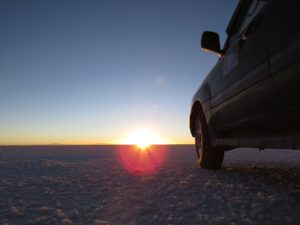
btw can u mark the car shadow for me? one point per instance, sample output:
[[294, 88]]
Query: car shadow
[[278, 178]]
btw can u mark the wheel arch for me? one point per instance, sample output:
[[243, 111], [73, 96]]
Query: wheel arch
[[196, 109]]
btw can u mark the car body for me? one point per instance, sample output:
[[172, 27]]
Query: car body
[[251, 98]]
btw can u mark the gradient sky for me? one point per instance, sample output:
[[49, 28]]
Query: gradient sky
[[87, 72]]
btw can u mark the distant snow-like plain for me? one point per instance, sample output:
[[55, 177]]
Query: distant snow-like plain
[[118, 185]]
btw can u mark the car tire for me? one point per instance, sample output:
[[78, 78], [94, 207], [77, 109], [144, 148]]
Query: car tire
[[209, 157]]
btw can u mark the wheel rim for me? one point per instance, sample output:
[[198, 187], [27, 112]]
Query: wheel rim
[[199, 139]]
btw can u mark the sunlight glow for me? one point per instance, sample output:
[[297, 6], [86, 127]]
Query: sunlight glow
[[143, 139]]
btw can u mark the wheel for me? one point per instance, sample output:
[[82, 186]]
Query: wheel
[[209, 157]]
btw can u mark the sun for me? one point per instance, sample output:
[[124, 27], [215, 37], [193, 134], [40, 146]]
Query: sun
[[143, 144], [143, 139]]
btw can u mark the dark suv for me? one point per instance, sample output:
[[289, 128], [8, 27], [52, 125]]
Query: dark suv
[[251, 98]]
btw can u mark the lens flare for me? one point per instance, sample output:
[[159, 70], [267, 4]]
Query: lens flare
[[142, 163]]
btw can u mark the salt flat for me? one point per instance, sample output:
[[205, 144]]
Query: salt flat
[[111, 185]]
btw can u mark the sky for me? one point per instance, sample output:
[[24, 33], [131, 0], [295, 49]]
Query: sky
[[94, 72]]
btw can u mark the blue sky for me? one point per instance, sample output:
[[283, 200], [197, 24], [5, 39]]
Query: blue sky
[[93, 71]]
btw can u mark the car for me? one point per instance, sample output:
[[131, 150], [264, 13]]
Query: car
[[251, 97]]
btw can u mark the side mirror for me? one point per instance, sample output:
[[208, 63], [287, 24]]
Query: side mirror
[[210, 41]]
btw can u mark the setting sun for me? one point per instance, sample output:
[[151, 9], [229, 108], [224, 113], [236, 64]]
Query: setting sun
[[143, 139]]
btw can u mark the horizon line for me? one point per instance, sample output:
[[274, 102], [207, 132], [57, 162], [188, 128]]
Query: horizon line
[[32, 145]]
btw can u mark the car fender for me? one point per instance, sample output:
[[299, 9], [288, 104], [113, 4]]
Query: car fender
[[200, 104]]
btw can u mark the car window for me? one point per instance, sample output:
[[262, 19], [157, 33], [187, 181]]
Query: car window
[[254, 8], [246, 14], [231, 54]]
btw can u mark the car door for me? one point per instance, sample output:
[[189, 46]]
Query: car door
[[284, 46], [245, 94]]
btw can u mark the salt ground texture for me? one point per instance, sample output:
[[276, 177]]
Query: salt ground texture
[[96, 185]]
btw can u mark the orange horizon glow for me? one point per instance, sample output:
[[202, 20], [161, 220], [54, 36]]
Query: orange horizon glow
[[82, 142], [141, 137]]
